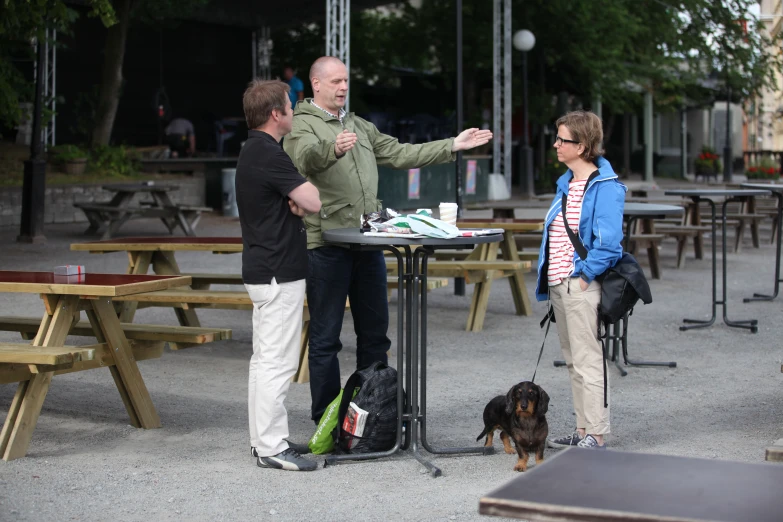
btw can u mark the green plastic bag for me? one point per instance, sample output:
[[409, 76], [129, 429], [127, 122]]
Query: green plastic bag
[[322, 440]]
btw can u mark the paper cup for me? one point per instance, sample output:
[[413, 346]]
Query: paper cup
[[448, 213]]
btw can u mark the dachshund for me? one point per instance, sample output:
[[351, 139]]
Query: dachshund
[[519, 415]]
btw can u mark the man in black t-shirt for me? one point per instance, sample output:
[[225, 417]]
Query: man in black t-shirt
[[272, 198]]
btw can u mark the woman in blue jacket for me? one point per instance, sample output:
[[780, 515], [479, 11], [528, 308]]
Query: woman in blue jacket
[[594, 211]]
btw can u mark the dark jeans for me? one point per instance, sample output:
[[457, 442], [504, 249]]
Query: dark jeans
[[335, 273]]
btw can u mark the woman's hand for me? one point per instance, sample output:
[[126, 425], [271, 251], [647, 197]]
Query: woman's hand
[[583, 284]]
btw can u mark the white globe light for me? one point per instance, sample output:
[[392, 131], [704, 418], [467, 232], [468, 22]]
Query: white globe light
[[524, 40]]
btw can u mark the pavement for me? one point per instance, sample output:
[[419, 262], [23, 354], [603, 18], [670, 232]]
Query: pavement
[[722, 401]]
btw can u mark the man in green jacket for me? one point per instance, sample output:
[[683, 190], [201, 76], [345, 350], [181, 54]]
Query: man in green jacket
[[339, 153]]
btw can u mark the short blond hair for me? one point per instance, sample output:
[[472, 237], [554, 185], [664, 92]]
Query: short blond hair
[[586, 128], [261, 98]]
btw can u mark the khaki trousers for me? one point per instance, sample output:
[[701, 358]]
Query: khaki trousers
[[576, 316], [277, 326]]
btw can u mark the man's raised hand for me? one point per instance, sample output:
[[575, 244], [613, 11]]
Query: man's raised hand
[[470, 139], [344, 142]]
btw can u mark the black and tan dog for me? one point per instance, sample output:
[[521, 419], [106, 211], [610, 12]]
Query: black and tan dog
[[519, 415]]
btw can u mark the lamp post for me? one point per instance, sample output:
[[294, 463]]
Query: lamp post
[[524, 41]]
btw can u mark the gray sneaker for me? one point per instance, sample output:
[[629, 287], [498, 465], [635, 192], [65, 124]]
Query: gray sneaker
[[288, 460], [591, 443], [302, 449], [565, 442]]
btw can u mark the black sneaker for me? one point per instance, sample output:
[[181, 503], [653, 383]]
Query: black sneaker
[[565, 442], [302, 449], [288, 460]]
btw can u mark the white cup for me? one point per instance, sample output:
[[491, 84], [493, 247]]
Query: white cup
[[448, 213]]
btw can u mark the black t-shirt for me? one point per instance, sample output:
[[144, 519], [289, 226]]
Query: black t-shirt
[[274, 239]]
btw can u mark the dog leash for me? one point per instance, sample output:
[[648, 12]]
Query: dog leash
[[548, 321]]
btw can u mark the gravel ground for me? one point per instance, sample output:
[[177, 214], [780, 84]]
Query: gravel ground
[[86, 463]]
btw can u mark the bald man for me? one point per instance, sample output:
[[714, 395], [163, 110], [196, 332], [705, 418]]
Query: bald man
[[339, 153]]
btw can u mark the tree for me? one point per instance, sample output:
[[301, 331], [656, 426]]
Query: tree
[[585, 48], [127, 11], [20, 22]]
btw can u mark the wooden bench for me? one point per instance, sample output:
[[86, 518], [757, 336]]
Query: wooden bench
[[236, 300], [478, 272], [651, 242], [774, 453], [15, 368], [45, 358], [178, 337], [681, 233], [738, 221]]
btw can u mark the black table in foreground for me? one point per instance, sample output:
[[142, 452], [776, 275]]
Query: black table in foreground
[[411, 336], [644, 488], [710, 195]]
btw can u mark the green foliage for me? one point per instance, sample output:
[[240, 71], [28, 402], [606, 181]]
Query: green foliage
[[768, 167], [63, 153], [683, 50], [20, 22], [549, 175], [115, 161]]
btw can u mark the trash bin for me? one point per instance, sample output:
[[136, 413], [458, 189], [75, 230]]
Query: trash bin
[[230, 193]]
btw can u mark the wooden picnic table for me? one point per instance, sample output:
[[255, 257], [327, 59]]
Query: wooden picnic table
[[645, 214], [158, 253], [508, 247], [109, 217], [63, 300]]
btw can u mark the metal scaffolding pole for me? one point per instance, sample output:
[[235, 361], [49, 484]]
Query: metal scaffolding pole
[[501, 98], [338, 36], [262, 53], [49, 84]]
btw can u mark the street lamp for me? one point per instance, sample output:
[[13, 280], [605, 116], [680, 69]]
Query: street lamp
[[524, 41]]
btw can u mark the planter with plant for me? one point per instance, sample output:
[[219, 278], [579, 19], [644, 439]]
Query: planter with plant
[[707, 163], [71, 157]]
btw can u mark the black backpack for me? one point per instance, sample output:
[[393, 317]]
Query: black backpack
[[377, 395]]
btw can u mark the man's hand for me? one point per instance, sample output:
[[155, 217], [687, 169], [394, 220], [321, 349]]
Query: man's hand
[[344, 142], [295, 209], [470, 139]]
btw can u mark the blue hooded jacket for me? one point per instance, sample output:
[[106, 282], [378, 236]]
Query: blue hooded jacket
[[600, 226]]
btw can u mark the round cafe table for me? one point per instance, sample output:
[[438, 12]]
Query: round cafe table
[[412, 256]]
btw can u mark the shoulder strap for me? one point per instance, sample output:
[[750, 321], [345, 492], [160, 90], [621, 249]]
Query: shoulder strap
[[578, 246], [353, 381]]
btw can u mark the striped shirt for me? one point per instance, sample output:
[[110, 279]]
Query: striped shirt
[[561, 250]]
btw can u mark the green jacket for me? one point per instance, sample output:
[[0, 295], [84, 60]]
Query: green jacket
[[349, 185]]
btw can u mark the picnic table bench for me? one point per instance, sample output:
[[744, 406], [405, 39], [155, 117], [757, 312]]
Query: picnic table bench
[[110, 216]]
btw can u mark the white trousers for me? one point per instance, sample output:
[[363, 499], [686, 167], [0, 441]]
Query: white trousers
[[277, 327]]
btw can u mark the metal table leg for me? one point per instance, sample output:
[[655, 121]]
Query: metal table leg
[[631, 362], [422, 418], [750, 324], [701, 323], [766, 297], [401, 411]]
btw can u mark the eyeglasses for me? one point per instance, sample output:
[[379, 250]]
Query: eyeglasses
[[559, 141]]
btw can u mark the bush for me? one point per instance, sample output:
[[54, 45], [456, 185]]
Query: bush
[[552, 170], [117, 161], [63, 153]]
